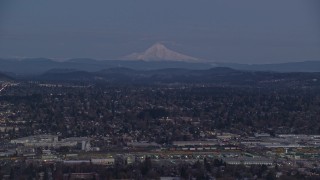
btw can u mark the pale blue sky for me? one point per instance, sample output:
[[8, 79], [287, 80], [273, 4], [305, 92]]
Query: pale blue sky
[[243, 31]]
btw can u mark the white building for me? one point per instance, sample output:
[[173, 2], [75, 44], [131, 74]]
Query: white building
[[52, 141], [249, 161], [194, 143], [105, 161]]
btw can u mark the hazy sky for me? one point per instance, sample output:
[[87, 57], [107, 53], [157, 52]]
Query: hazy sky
[[244, 31]]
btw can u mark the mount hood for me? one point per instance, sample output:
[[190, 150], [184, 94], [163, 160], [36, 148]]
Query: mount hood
[[158, 52]]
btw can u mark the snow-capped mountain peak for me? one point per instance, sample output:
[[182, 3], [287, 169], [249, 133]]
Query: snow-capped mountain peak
[[159, 52]]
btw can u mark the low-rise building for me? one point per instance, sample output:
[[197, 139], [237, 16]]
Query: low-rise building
[[248, 161], [105, 161], [195, 143]]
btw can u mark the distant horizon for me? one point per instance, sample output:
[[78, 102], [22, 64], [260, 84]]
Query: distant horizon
[[201, 61], [123, 60]]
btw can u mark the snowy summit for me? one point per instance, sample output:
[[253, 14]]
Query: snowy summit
[[158, 52]]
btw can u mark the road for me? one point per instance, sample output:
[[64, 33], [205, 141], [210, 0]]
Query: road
[[3, 88]]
